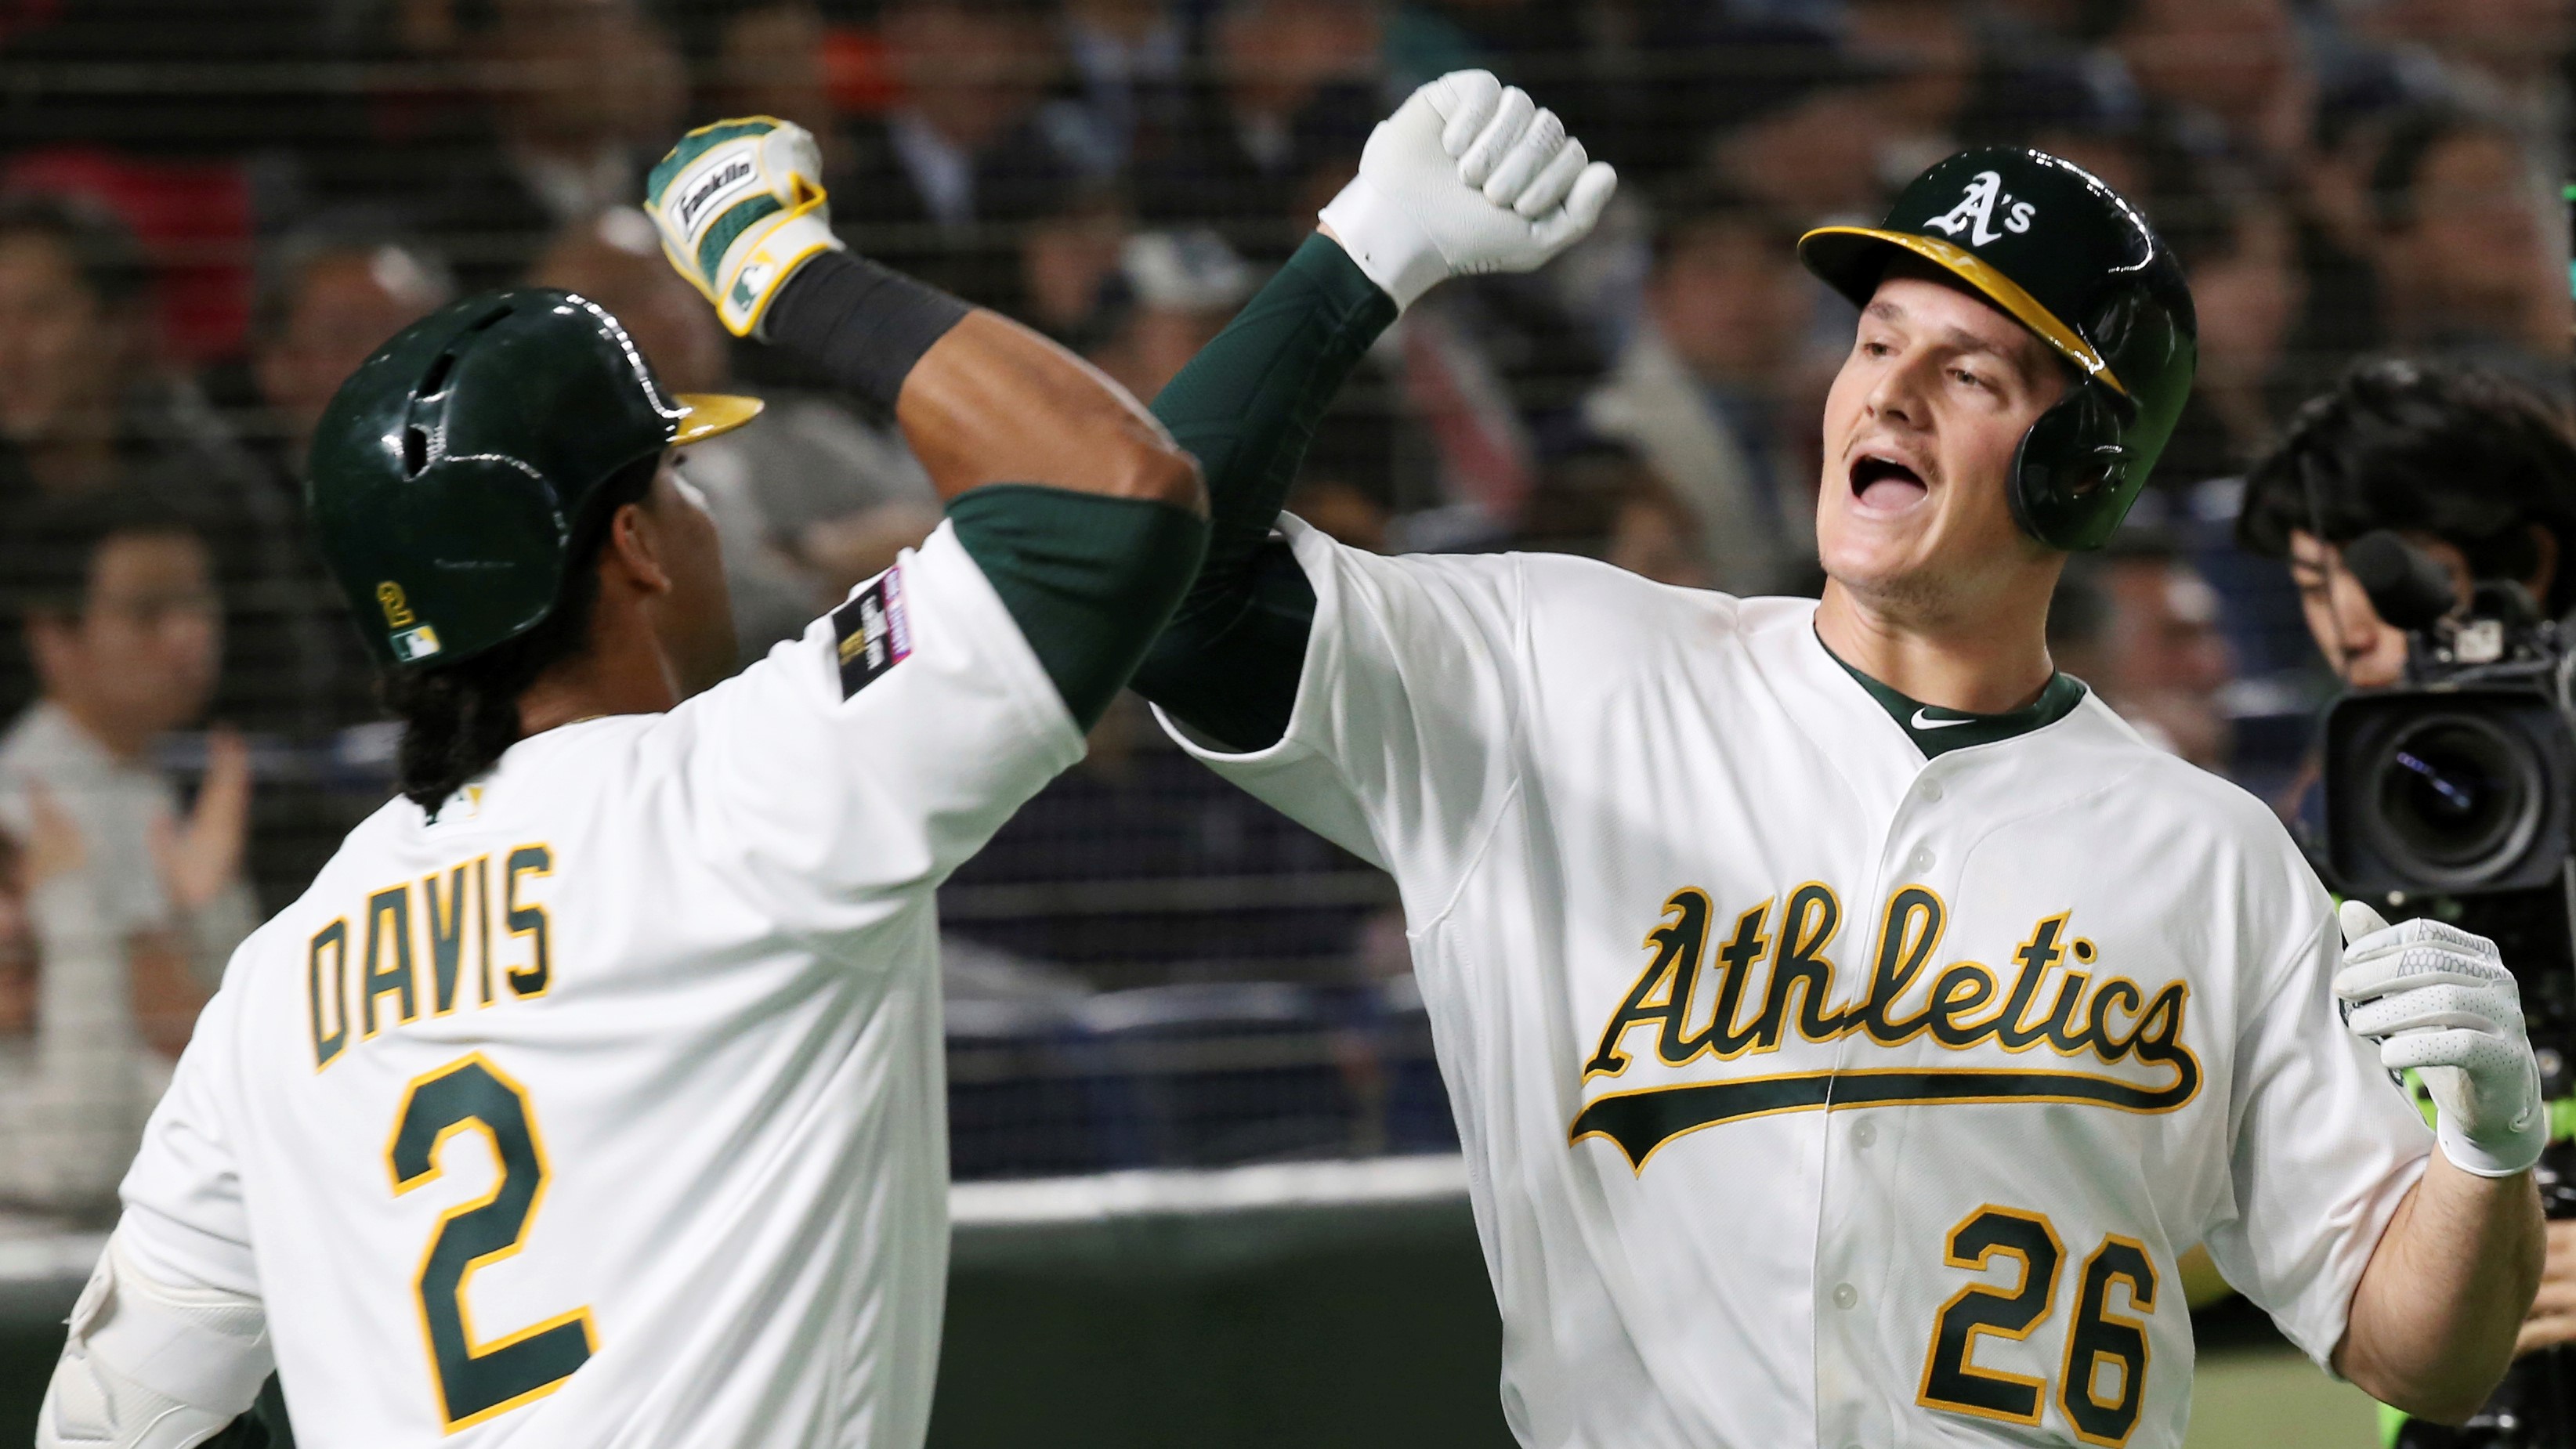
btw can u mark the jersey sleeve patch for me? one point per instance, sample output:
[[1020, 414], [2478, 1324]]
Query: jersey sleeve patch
[[872, 633]]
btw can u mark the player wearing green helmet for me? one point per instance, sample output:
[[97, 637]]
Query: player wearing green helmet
[[666, 941], [1739, 920], [2070, 260]]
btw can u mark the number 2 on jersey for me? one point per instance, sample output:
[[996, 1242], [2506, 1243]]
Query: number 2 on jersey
[[2103, 1379], [477, 1381]]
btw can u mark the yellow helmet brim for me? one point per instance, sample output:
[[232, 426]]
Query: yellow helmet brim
[[705, 414]]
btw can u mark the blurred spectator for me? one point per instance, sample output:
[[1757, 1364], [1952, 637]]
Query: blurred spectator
[[93, 73], [2225, 75], [18, 948], [74, 342], [1127, 58], [1068, 253], [1603, 502], [1783, 110], [939, 186], [1150, 871], [123, 623], [83, 407], [770, 62], [808, 502], [1557, 51], [577, 98], [137, 905], [1173, 292], [2505, 57], [1933, 46], [1351, 484], [2467, 263], [330, 301], [2239, 247], [98, 1018], [1277, 127], [2140, 626], [2070, 109], [1700, 391]]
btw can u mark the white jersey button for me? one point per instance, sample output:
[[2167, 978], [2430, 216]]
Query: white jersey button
[[1864, 1133], [1931, 790], [1846, 1296], [1920, 861]]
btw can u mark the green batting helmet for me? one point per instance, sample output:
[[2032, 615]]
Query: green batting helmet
[[448, 471], [2062, 254]]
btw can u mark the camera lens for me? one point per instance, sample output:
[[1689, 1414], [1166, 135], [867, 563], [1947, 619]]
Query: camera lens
[[2458, 799]]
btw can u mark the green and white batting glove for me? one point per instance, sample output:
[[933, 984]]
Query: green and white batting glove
[[740, 206], [1468, 176], [2439, 1001]]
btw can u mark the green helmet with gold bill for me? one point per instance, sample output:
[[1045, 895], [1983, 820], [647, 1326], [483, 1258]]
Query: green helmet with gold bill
[[449, 470], [2066, 256]]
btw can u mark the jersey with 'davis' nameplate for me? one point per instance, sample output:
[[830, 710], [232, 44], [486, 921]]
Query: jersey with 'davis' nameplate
[[607, 1107], [1814, 1092]]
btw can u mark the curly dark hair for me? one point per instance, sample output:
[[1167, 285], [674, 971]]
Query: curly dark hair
[[2462, 453]]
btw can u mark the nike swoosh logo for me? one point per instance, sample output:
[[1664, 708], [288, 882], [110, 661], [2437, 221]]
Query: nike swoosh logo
[[1923, 721]]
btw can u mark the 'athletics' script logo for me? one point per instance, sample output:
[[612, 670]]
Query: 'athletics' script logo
[[1961, 1006]]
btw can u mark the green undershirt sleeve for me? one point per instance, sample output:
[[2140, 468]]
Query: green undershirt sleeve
[[1247, 407], [1089, 579]]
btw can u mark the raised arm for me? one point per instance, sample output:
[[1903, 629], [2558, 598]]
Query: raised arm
[[980, 398], [1466, 177], [1077, 507]]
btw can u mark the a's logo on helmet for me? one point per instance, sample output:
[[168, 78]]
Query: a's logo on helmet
[[397, 610], [1975, 213]]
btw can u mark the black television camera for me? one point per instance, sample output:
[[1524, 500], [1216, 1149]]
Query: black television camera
[[2453, 795]]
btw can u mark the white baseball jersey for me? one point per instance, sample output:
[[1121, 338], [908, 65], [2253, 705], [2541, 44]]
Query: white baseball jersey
[[608, 1108], [1814, 1093]]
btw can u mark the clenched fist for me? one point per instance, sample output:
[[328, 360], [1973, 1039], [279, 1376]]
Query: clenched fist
[[1468, 176], [2439, 1001]]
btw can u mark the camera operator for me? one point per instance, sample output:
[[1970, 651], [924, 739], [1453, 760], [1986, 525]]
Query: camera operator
[[2477, 473], [2470, 467]]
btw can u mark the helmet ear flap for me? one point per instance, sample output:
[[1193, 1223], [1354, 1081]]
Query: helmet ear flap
[[2072, 481]]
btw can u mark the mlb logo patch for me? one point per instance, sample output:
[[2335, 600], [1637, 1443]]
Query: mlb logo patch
[[413, 645], [872, 634]]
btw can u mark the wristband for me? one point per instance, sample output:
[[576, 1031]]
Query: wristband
[[863, 324]]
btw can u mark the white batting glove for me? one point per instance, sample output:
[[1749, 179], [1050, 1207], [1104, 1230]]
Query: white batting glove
[[2439, 1001], [740, 205], [1466, 177]]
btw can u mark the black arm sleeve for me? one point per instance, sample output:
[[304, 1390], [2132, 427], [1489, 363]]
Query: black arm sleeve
[[1089, 579], [1247, 406], [864, 325]]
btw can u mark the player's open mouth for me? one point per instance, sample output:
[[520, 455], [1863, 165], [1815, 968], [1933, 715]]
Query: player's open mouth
[[1885, 485]]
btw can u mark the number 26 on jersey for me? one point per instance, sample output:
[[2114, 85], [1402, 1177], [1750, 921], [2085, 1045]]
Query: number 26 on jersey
[[2101, 1378]]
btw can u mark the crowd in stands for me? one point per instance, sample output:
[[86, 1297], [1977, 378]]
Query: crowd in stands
[[209, 214]]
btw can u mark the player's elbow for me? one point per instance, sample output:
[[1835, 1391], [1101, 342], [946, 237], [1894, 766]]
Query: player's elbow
[[2444, 1380], [2450, 1403], [1155, 469]]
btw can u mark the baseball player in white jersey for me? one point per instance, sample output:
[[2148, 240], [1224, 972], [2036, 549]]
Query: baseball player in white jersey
[[1849, 1020], [593, 1093]]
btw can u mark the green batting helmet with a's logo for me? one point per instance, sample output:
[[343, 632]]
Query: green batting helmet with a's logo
[[447, 473], [2067, 257]]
